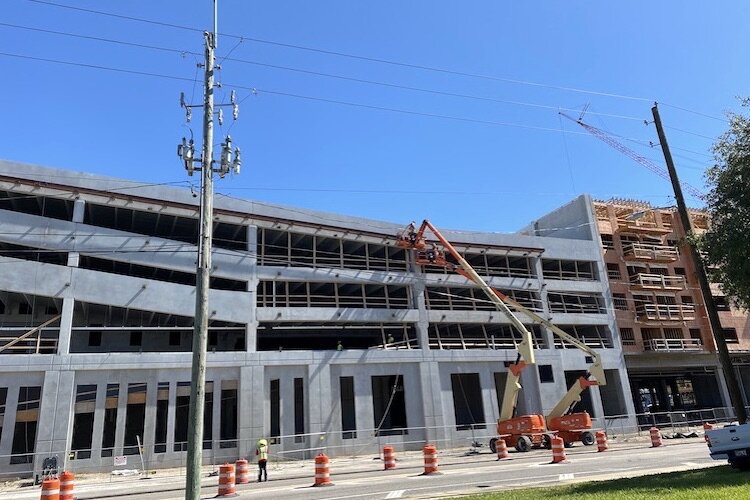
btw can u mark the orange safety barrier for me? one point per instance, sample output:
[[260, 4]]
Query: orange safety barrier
[[322, 473], [67, 485], [226, 481], [51, 489], [501, 448], [430, 459], [601, 441], [655, 437], [389, 457], [243, 471], [558, 450], [707, 427]]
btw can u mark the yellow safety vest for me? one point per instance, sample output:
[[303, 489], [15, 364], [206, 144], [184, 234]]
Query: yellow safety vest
[[263, 453]]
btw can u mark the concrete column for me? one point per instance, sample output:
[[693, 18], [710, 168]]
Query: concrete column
[[423, 324], [429, 375], [79, 207], [149, 423], [286, 391], [55, 424], [722, 383], [216, 417], [98, 427], [252, 405], [320, 402], [122, 408], [171, 412], [9, 424], [487, 383], [363, 407], [66, 326], [66, 322], [251, 337]]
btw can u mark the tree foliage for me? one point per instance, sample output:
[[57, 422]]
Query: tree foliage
[[726, 245]]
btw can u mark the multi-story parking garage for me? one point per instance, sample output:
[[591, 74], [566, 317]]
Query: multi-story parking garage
[[323, 333]]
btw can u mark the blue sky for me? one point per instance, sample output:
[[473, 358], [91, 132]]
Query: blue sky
[[468, 171]]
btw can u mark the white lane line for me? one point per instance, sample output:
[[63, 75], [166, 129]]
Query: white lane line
[[691, 464], [395, 494]]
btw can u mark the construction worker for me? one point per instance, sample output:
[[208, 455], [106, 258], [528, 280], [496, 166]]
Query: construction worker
[[261, 451]]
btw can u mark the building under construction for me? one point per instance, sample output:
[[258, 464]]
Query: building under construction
[[324, 333], [666, 335]]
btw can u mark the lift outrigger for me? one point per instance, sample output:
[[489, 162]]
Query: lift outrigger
[[525, 431]]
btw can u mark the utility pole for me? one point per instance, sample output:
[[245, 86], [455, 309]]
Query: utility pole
[[713, 316], [186, 151]]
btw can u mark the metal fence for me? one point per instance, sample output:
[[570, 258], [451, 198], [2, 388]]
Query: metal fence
[[453, 440]]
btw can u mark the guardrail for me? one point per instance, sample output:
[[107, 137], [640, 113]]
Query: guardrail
[[661, 253], [666, 345], [666, 312], [658, 281]]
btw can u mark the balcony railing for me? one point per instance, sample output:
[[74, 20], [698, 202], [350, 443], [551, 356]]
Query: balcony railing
[[657, 253], [665, 312], [657, 282], [648, 226], [677, 345]]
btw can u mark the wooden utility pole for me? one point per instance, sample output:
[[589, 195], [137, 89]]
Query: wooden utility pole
[[713, 316]]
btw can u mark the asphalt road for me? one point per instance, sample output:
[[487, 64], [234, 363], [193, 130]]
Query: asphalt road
[[458, 475]]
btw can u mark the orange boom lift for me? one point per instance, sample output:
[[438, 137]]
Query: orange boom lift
[[525, 431]]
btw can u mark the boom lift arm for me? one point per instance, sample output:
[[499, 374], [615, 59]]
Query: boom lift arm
[[413, 238], [593, 376]]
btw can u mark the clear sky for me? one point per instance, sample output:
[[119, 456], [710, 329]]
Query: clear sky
[[478, 160]]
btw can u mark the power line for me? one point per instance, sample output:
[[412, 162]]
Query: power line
[[98, 39], [96, 66], [373, 59], [289, 94], [322, 74], [354, 56], [724, 120]]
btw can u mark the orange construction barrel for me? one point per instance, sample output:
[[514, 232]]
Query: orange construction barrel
[[601, 441], [430, 459], [558, 450], [501, 448], [243, 471], [322, 473], [389, 457], [67, 485], [51, 489], [226, 481], [655, 437]]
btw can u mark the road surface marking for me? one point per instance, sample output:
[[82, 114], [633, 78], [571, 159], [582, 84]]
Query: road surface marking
[[566, 477], [395, 494]]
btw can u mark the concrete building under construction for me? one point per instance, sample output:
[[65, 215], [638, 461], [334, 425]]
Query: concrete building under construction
[[323, 334]]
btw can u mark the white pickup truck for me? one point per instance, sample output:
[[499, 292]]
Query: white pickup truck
[[731, 443]]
